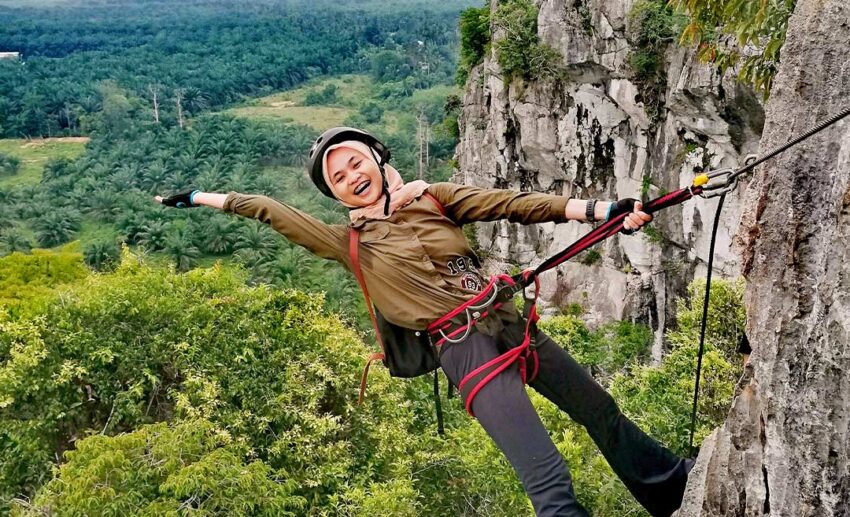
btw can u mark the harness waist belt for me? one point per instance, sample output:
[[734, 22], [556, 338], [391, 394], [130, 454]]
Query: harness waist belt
[[498, 291]]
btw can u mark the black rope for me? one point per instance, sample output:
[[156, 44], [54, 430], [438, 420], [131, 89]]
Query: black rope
[[704, 319], [438, 406]]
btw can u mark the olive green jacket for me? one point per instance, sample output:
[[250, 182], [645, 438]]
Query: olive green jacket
[[417, 263]]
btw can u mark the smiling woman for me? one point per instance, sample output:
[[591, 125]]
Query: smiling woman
[[405, 241]]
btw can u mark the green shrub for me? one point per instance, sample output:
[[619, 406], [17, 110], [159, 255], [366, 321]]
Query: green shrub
[[327, 95], [605, 350], [160, 469], [592, 256], [474, 40], [27, 279], [102, 255], [653, 234], [371, 112], [9, 165], [518, 50]]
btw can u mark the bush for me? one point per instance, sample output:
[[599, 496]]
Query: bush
[[518, 50], [14, 239], [327, 95], [28, 278], [474, 40], [605, 350], [57, 226], [371, 112], [9, 165], [102, 255], [161, 468]]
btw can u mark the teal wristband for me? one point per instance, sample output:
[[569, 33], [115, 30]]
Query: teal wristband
[[192, 197], [608, 213]]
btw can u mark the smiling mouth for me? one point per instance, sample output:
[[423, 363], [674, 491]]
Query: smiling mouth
[[362, 187]]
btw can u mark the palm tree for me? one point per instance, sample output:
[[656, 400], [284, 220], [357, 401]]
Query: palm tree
[[14, 240], [155, 176], [259, 238], [56, 226], [219, 235], [153, 235], [209, 180], [102, 204], [267, 185], [178, 180], [179, 247], [102, 255], [194, 100]]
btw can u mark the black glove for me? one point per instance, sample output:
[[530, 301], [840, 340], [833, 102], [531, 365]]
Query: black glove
[[182, 199], [622, 206]]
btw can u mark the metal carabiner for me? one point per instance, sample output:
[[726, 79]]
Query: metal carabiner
[[473, 316], [488, 302], [720, 181], [465, 334]]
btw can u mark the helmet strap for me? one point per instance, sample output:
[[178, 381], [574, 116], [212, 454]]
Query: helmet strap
[[385, 188]]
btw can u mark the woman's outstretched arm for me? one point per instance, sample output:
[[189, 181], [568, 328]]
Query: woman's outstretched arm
[[325, 240], [465, 204]]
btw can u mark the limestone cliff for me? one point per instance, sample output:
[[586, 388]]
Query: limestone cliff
[[785, 446], [593, 135]]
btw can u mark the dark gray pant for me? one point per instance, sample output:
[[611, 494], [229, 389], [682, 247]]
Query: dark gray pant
[[654, 475]]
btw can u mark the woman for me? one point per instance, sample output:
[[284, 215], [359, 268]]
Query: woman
[[418, 267]]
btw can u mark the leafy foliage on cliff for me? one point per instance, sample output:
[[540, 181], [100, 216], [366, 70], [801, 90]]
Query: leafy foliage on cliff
[[653, 26], [743, 34], [474, 40], [518, 49]]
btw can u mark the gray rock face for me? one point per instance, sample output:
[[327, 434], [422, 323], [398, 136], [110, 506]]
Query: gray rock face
[[591, 137], [785, 447]]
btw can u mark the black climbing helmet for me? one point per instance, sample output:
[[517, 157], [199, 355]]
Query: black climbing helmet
[[336, 135]]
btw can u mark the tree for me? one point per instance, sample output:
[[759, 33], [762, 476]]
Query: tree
[[181, 249], [13, 240], [56, 226], [474, 40], [152, 235], [102, 255], [784, 449], [9, 165], [140, 471], [727, 32]]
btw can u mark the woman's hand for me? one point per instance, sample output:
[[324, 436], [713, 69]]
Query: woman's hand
[[636, 217], [180, 200]]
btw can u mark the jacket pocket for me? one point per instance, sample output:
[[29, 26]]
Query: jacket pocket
[[374, 233]]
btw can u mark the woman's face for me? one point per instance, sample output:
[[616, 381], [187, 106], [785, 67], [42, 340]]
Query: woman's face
[[354, 178]]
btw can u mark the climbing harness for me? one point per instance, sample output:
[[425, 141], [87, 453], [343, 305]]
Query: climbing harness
[[499, 290]]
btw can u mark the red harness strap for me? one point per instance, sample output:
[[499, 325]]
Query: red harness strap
[[353, 251]]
